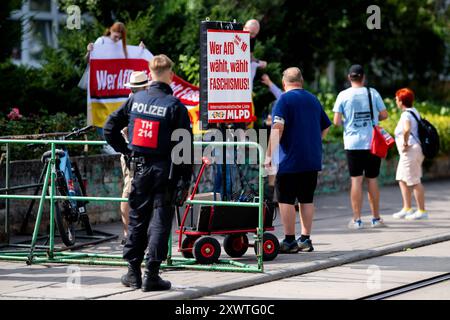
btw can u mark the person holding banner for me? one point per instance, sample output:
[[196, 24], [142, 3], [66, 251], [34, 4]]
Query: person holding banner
[[151, 116], [252, 26], [117, 32]]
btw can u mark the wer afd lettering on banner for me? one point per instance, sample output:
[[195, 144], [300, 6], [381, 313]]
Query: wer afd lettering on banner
[[110, 70], [111, 75]]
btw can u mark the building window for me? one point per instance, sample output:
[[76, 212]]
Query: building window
[[39, 21], [41, 5], [41, 36]]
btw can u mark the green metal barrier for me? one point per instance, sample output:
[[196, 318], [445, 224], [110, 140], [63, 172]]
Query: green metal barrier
[[48, 254]]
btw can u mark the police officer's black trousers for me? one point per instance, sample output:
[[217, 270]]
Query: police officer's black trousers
[[151, 214]]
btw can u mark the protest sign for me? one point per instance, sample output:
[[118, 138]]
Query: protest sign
[[226, 94]]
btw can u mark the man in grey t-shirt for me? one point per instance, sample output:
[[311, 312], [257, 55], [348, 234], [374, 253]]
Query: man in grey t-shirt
[[352, 111]]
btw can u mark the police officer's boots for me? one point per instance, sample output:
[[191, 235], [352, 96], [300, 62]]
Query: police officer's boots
[[152, 281], [133, 278]]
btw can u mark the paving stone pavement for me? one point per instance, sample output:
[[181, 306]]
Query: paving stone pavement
[[334, 245]]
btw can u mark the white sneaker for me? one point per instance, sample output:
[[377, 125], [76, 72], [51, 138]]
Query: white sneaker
[[417, 216], [402, 213], [377, 223], [355, 224]]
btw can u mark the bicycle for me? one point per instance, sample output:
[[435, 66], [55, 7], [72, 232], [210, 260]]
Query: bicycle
[[69, 182]]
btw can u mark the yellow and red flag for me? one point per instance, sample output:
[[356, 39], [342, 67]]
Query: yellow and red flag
[[109, 70]]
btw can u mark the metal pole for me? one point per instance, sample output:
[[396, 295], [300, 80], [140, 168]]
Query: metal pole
[[23, 187], [66, 142], [39, 216], [7, 227], [98, 259], [52, 202], [30, 207], [224, 165], [28, 197], [169, 254], [260, 229]]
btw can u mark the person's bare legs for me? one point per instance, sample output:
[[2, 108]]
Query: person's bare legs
[[287, 212], [356, 196], [373, 193], [125, 211], [306, 217], [406, 194], [419, 195]]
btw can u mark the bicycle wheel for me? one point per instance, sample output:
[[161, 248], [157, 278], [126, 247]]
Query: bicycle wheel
[[65, 217], [81, 205], [65, 227]]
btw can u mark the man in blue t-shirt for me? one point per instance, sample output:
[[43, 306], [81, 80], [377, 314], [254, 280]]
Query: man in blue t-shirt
[[352, 111], [299, 125]]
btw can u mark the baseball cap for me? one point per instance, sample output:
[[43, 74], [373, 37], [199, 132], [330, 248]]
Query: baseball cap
[[356, 70]]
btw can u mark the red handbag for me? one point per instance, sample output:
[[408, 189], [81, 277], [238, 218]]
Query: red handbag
[[382, 141]]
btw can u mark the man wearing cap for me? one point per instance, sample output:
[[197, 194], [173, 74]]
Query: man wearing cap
[[138, 81], [151, 116], [352, 111]]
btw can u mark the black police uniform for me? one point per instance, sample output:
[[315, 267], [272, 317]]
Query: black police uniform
[[151, 116]]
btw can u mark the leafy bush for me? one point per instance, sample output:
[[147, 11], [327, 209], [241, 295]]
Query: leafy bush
[[191, 68], [438, 115], [43, 123]]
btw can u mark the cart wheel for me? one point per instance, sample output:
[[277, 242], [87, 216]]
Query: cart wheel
[[206, 250], [188, 242], [271, 246], [235, 245]]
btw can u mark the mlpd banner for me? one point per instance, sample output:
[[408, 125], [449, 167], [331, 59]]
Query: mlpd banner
[[109, 70], [226, 94]]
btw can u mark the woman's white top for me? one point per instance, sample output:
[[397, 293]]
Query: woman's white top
[[414, 134], [104, 40]]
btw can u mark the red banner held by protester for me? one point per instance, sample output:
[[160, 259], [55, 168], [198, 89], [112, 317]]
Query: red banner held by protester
[[109, 70]]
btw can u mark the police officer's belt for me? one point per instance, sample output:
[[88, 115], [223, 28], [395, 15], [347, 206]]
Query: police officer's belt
[[141, 158]]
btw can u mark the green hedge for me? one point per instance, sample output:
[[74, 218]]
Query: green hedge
[[43, 123], [438, 115]]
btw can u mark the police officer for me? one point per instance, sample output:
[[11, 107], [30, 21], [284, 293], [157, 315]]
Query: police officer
[[151, 117]]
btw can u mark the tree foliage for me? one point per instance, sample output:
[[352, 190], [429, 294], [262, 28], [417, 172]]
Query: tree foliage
[[410, 49]]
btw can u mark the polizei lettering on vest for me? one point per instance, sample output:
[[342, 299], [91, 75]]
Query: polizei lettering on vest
[[149, 109]]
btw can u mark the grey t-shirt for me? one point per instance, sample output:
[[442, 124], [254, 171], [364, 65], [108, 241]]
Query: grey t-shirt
[[353, 103]]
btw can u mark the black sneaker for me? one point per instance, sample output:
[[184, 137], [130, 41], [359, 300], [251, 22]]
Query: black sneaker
[[133, 278], [288, 247], [305, 245], [154, 283]]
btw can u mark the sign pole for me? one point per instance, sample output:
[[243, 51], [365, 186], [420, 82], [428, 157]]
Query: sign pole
[[225, 81]]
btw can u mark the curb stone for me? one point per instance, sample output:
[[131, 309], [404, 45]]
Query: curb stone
[[313, 266]]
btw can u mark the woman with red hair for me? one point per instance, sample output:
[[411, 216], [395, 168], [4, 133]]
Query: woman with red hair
[[409, 170], [117, 32]]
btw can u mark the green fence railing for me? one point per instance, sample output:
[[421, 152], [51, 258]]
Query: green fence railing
[[49, 254]]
